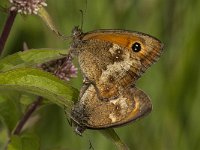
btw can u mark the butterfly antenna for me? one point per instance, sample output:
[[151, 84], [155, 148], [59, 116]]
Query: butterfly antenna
[[83, 13], [85, 6]]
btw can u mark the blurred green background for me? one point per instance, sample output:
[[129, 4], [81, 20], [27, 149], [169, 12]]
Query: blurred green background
[[173, 83]]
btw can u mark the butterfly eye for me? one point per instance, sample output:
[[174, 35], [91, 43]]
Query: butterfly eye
[[136, 47]]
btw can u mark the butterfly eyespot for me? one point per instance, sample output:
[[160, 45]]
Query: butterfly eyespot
[[136, 47]]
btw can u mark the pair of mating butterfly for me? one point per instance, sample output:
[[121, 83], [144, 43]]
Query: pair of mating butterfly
[[111, 62]]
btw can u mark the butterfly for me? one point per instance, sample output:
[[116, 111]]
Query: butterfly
[[111, 62]]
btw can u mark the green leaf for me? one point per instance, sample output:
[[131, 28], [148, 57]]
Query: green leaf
[[3, 135], [15, 143], [10, 111], [41, 83], [30, 58], [24, 142], [112, 135], [27, 98]]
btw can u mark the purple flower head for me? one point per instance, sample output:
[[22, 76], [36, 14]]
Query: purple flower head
[[27, 6], [62, 68]]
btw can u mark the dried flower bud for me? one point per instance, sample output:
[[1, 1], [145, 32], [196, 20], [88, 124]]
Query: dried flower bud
[[27, 6], [62, 68]]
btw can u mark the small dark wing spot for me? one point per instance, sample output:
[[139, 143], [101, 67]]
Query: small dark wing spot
[[111, 79]]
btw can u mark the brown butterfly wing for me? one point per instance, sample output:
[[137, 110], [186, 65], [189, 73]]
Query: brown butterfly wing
[[90, 112], [108, 61]]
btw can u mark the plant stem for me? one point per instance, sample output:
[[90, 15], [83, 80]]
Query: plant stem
[[27, 115], [6, 29]]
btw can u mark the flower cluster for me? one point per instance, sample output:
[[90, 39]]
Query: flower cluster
[[27, 6], [62, 68]]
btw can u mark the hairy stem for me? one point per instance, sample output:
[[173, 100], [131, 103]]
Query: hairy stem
[[6, 29]]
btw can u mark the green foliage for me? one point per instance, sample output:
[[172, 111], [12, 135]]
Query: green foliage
[[30, 58], [30, 80], [41, 83], [10, 111], [26, 141], [110, 134]]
